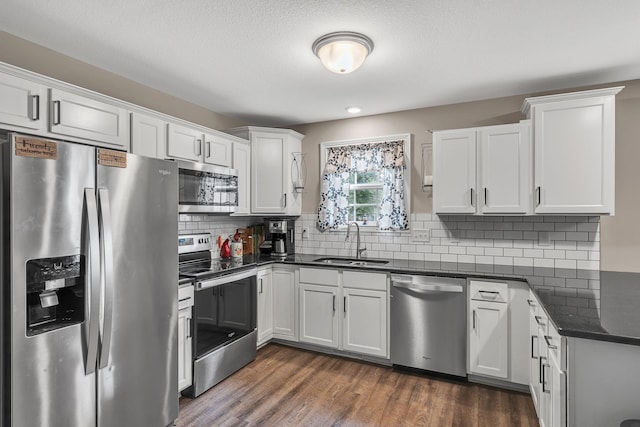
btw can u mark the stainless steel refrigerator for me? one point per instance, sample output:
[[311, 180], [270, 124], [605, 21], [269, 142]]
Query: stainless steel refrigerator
[[89, 286]]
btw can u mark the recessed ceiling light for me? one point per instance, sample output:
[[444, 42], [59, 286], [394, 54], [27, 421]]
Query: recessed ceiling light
[[353, 110], [343, 51]]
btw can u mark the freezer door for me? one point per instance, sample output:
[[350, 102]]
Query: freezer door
[[138, 358], [46, 181]]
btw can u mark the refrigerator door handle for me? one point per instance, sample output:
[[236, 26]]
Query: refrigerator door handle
[[91, 220], [108, 273]]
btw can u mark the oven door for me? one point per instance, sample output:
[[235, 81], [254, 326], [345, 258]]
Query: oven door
[[207, 188], [225, 310]]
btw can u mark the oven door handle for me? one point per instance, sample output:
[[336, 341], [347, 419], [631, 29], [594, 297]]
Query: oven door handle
[[217, 281]]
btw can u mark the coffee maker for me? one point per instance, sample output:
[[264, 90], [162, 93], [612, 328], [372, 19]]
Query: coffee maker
[[281, 232]]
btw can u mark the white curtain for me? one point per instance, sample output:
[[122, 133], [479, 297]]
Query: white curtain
[[386, 157]]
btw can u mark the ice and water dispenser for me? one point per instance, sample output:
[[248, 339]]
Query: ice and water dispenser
[[55, 293]]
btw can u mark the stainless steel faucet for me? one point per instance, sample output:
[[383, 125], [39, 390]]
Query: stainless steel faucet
[[358, 249]]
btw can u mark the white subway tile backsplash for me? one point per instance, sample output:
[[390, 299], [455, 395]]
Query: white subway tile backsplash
[[494, 251], [513, 235], [467, 259], [448, 258], [533, 253], [501, 241], [554, 254], [579, 236], [576, 254], [565, 263], [542, 262], [523, 262]]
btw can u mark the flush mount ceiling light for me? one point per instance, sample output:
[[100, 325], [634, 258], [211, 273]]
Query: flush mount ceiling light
[[353, 110], [343, 51]]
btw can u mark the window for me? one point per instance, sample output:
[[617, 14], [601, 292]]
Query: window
[[365, 181], [365, 194]]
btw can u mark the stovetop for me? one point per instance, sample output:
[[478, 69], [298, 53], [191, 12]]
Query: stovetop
[[214, 267]]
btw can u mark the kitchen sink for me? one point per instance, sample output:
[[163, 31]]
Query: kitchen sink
[[352, 261]]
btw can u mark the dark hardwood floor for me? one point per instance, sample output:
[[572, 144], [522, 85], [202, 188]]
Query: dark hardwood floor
[[290, 387]]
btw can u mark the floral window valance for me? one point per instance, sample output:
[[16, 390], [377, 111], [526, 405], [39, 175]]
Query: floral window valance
[[385, 157]]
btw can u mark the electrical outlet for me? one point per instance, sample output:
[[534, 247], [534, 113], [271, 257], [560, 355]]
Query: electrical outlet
[[420, 235], [305, 232], [544, 239]]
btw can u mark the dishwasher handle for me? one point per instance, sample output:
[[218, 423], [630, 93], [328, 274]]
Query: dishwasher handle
[[408, 283]]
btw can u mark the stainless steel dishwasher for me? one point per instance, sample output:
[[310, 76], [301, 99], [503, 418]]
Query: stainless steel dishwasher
[[428, 323]]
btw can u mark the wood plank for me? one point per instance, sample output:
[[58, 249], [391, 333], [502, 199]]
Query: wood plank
[[286, 386]]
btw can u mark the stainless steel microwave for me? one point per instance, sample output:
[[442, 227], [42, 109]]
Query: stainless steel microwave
[[206, 188]]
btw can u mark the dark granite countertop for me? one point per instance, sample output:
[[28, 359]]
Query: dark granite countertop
[[587, 304]]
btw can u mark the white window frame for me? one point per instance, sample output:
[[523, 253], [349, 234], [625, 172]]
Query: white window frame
[[407, 139]]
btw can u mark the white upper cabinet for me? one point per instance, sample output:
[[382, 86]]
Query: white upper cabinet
[[505, 169], [184, 143], [217, 150], [241, 161], [454, 171], [85, 118], [271, 162], [482, 170], [148, 136], [190, 143], [22, 103], [574, 146]]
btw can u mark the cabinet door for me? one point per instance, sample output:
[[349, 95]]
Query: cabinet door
[[318, 320], [148, 136], [364, 324], [22, 103], [557, 383], [242, 163], [184, 349], [184, 143], [544, 400], [535, 376], [284, 304], [265, 306], [80, 117], [268, 191], [489, 339], [505, 185], [293, 199], [454, 172], [217, 150], [574, 156]]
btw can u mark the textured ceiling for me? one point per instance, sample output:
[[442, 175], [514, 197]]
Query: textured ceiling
[[252, 60]]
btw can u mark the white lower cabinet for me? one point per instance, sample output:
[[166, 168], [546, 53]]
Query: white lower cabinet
[[185, 333], [489, 339], [265, 305], [284, 303], [318, 319], [548, 380], [346, 310], [364, 324], [498, 330]]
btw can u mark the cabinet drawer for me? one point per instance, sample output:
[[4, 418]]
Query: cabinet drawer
[[489, 291], [554, 340], [185, 296], [532, 302], [319, 276], [364, 280]]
